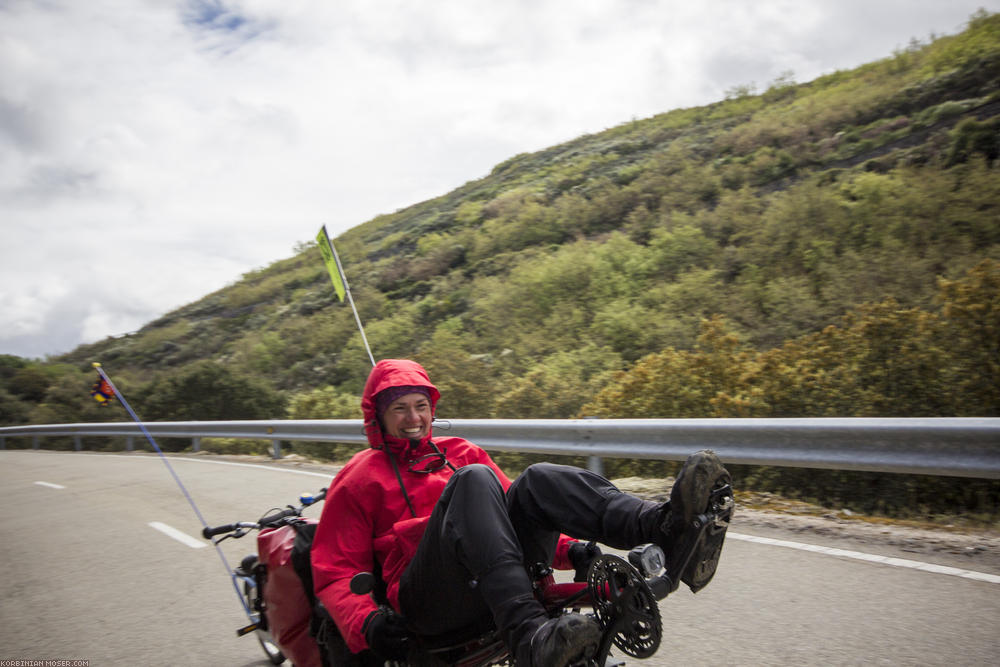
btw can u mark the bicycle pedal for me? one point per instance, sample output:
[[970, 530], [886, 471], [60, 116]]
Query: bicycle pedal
[[247, 629], [721, 505], [724, 513]]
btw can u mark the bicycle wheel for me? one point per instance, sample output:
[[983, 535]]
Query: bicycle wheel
[[271, 650]]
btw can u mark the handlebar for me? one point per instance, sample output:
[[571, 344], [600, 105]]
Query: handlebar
[[209, 532], [240, 528], [272, 519]]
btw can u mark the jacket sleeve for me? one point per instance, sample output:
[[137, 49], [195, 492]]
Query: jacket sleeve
[[341, 548]]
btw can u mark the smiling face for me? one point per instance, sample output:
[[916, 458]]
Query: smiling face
[[408, 417]]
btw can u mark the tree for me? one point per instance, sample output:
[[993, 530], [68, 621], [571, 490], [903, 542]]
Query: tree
[[559, 386], [67, 400], [468, 381], [325, 403], [881, 361], [206, 391], [971, 312], [10, 364], [13, 411], [30, 383], [709, 381], [971, 136]]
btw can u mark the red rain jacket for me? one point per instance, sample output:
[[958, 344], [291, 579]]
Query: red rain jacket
[[365, 518]]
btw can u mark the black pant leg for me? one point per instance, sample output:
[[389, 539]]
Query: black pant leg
[[467, 562], [548, 499], [470, 565]]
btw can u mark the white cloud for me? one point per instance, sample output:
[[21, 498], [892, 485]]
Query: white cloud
[[152, 152]]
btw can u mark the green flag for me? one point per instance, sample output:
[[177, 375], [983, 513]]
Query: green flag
[[330, 259]]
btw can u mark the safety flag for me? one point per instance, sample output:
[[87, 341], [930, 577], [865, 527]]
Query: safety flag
[[102, 391], [331, 261]]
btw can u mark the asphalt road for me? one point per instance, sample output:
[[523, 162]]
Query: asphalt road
[[86, 577]]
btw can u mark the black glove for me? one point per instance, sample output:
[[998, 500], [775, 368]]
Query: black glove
[[386, 634], [581, 555]]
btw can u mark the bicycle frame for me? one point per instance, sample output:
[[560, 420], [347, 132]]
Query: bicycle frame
[[622, 594], [248, 578], [619, 593]]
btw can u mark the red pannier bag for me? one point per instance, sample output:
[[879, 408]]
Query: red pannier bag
[[285, 599]]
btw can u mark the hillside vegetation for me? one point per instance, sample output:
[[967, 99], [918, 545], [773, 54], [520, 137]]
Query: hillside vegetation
[[829, 248]]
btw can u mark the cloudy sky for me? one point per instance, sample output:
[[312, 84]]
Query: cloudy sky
[[153, 151]]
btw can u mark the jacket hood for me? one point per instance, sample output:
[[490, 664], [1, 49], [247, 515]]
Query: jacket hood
[[392, 373]]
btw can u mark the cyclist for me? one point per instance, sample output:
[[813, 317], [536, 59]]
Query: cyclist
[[455, 540]]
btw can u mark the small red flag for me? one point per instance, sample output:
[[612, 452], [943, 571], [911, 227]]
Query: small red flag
[[102, 391]]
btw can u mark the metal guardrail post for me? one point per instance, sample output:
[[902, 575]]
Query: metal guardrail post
[[77, 442], [3, 442], [35, 441], [196, 444], [130, 443], [276, 449], [595, 464]]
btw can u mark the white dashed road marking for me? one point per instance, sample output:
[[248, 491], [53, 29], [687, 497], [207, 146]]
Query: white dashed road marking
[[181, 537], [50, 485]]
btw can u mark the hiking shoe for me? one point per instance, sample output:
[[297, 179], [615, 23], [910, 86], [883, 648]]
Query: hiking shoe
[[703, 487], [565, 640]]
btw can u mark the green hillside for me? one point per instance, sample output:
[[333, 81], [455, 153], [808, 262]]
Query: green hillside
[[552, 286]]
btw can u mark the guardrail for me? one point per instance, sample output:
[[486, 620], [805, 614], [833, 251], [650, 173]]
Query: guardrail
[[963, 447]]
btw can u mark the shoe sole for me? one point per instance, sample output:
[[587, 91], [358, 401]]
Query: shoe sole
[[705, 559], [702, 477]]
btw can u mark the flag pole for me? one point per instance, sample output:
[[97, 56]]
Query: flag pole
[[104, 395], [142, 427], [340, 285]]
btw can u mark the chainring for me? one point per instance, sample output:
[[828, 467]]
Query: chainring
[[624, 602]]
